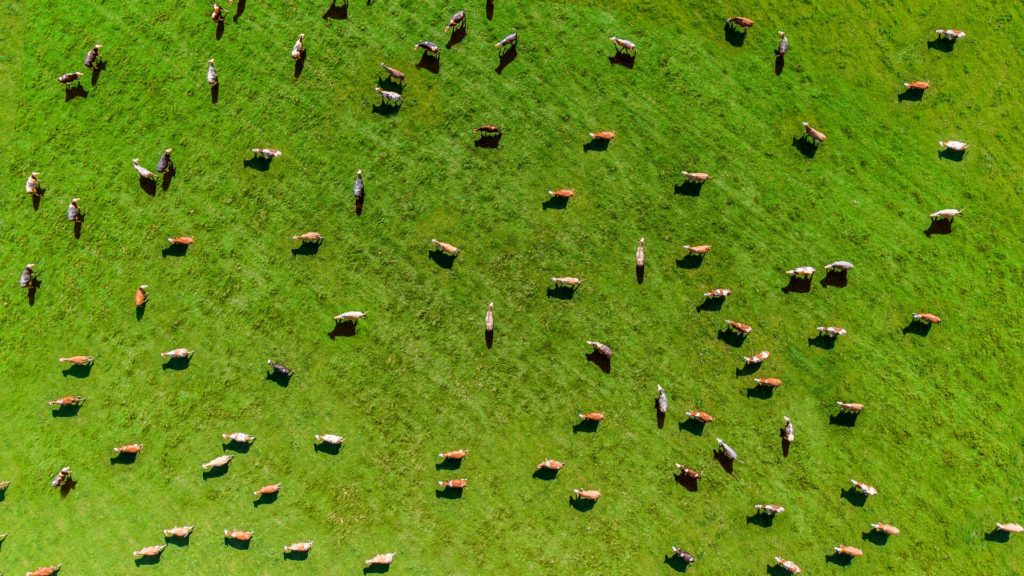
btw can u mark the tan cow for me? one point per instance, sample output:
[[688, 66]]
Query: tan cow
[[621, 44], [1010, 528], [946, 214], [698, 177], [816, 136], [741, 22], [567, 281], [802, 272], [332, 439], [769, 509], [177, 353], [181, 240], [178, 532], [150, 551], [592, 416], [267, 490], [549, 464], [562, 193], [309, 237], [454, 454], [926, 318], [240, 535], [67, 401], [489, 318], [602, 349], [921, 85], [298, 547], [129, 449], [769, 382], [353, 316], [699, 250], [851, 407], [603, 135], [76, 360], [788, 565], [689, 472], [299, 49], [587, 494], [381, 559], [45, 570], [865, 489], [240, 437], [849, 551], [888, 529], [218, 462], [445, 247], [640, 255], [32, 184], [143, 172], [718, 294]]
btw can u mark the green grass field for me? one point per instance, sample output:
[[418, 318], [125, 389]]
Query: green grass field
[[941, 437]]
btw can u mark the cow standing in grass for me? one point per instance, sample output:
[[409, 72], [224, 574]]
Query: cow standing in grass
[[299, 49], [32, 185]]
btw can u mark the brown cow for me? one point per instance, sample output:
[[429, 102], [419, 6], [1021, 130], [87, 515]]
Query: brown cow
[[741, 22], [67, 401], [592, 416], [150, 551], [603, 135], [267, 490], [739, 327], [129, 449], [549, 464], [456, 484], [689, 472], [769, 382], [700, 416], [926, 318], [141, 295], [454, 454], [240, 535], [77, 360]]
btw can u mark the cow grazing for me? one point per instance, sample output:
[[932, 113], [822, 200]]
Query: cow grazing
[[683, 555], [787, 430], [600, 348], [44, 570], [267, 490], [28, 277], [510, 40], [567, 281], [428, 47], [640, 256], [689, 472], [851, 407], [769, 509], [458, 20], [739, 327], [740, 22], [768, 382], [954, 145], [143, 172], [67, 401], [946, 214], [129, 449], [267, 153], [839, 266], [74, 212], [394, 73], [888, 529], [298, 547], [454, 454], [381, 559], [150, 551], [181, 240], [218, 13], [549, 464], [357, 187], [757, 358], [718, 294], [4, 484], [698, 177], [788, 565], [926, 318], [1009, 528], [592, 416], [802, 272], [279, 368], [783, 44], [662, 401], [211, 73], [63, 476], [141, 295], [848, 551], [727, 450], [445, 247], [238, 437], [587, 494], [831, 331], [623, 45], [603, 135], [388, 97], [455, 483], [699, 250], [816, 136], [164, 164], [332, 439], [239, 535], [32, 184], [177, 353], [488, 130], [353, 317], [92, 56], [562, 193], [178, 532], [76, 360], [489, 318], [700, 416], [865, 489], [919, 85], [951, 34], [309, 237], [218, 462], [70, 77], [299, 49]]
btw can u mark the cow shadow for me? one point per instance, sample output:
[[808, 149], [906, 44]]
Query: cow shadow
[[581, 504], [237, 447], [776, 570], [148, 560], [734, 36], [279, 378], [690, 261], [257, 163], [834, 279], [490, 9], [448, 464], [386, 109], [168, 176], [148, 186], [562, 292], [506, 58], [785, 443], [489, 338], [359, 206], [306, 249], [238, 11], [724, 461], [780, 64], [600, 360], [910, 95], [264, 499], [458, 35], [215, 472], [838, 559], [78, 370], [624, 59], [37, 198], [555, 203], [954, 155], [691, 484], [123, 458], [876, 537], [798, 285], [429, 63], [748, 369], [300, 65], [67, 487], [97, 69], [298, 555], [545, 474], [762, 520], [332, 449], [220, 29], [488, 141], [177, 363], [676, 563], [823, 341], [65, 411], [335, 12], [31, 291], [940, 227], [942, 44], [178, 541], [596, 145], [731, 338], [854, 497], [848, 419], [639, 274], [77, 91], [237, 544], [997, 535], [443, 260], [918, 328], [140, 311], [695, 427], [805, 146], [689, 188], [377, 568], [659, 416], [215, 93], [711, 305], [344, 329], [585, 426], [448, 493], [387, 83], [761, 392]]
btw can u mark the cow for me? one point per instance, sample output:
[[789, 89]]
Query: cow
[[357, 187], [848, 551], [623, 45], [488, 130], [238, 437], [32, 184], [783, 44], [381, 559], [699, 250], [74, 212], [45, 570], [768, 509], [815, 135], [757, 358], [299, 49], [740, 22], [240, 535], [67, 401], [143, 172], [28, 277], [602, 136], [510, 40], [592, 416], [177, 353], [218, 462], [662, 401], [76, 360], [62, 477], [683, 555], [697, 177], [454, 484], [454, 454], [802, 272], [831, 331], [178, 532], [768, 382], [267, 490], [689, 472], [718, 294], [211, 73], [489, 318], [353, 317], [640, 255], [428, 48], [445, 247], [92, 56], [4, 484], [1010, 528], [851, 407], [562, 193], [739, 327], [548, 464], [279, 368], [727, 450], [332, 439], [919, 85], [164, 164], [309, 237], [787, 430], [839, 266], [887, 529], [267, 153], [954, 145], [150, 551], [129, 449], [788, 565], [218, 13], [865, 489], [394, 73], [458, 20], [387, 96], [587, 494], [67, 79], [600, 348], [946, 214], [926, 318], [567, 281], [298, 547], [951, 34], [700, 416]]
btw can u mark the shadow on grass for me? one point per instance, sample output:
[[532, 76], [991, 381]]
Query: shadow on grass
[[491, 141], [443, 260], [823, 341], [601, 361], [734, 339], [942, 44], [798, 285], [954, 155], [279, 378], [780, 64], [562, 292], [98, 69], [848, 419], [545, 474], [838, 559], [238, 447], [386, 109], [77, 370], [177, 363], [75, 92], [585, 426], [805, 146], [724, 461], [910, 95], [344, 329], [506, 58], [834, 279], [458, 35], [335, 12], [220, 30], [689, 189], [854, 497], [555, 203], [997, 536], [215, 93], [387, 83], [300, 65], [676, 563], [581, 504], [690, 261], [711, 305], [307, 249], [264, 499], [940, 227], [140, 311], [124, 458], [178, 541], [215, 472], [448, 464], [67, 487], [596, 145], [237, 544], [176, 250], [65, 411], [639, 274], [377, 569], [762, 520], [37, 198], [359, 205], [490, 9], [238, 11], [430, 63], [257, 163], [776, 570], [659, 416], [148, 186], [148, 560], [623, 59], [448, 493], [331, 449], [489, 338], [761, 392], [785, 443], [735, 36], [695, 427], [30, 293], [685, 481], [748, 369], [298, 555], [876, 537], [168, 176], [917, 328]]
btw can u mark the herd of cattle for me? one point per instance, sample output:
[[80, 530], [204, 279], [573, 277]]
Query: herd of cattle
[[164, 164]]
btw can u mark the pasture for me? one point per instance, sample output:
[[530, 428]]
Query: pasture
[[940, 437]]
